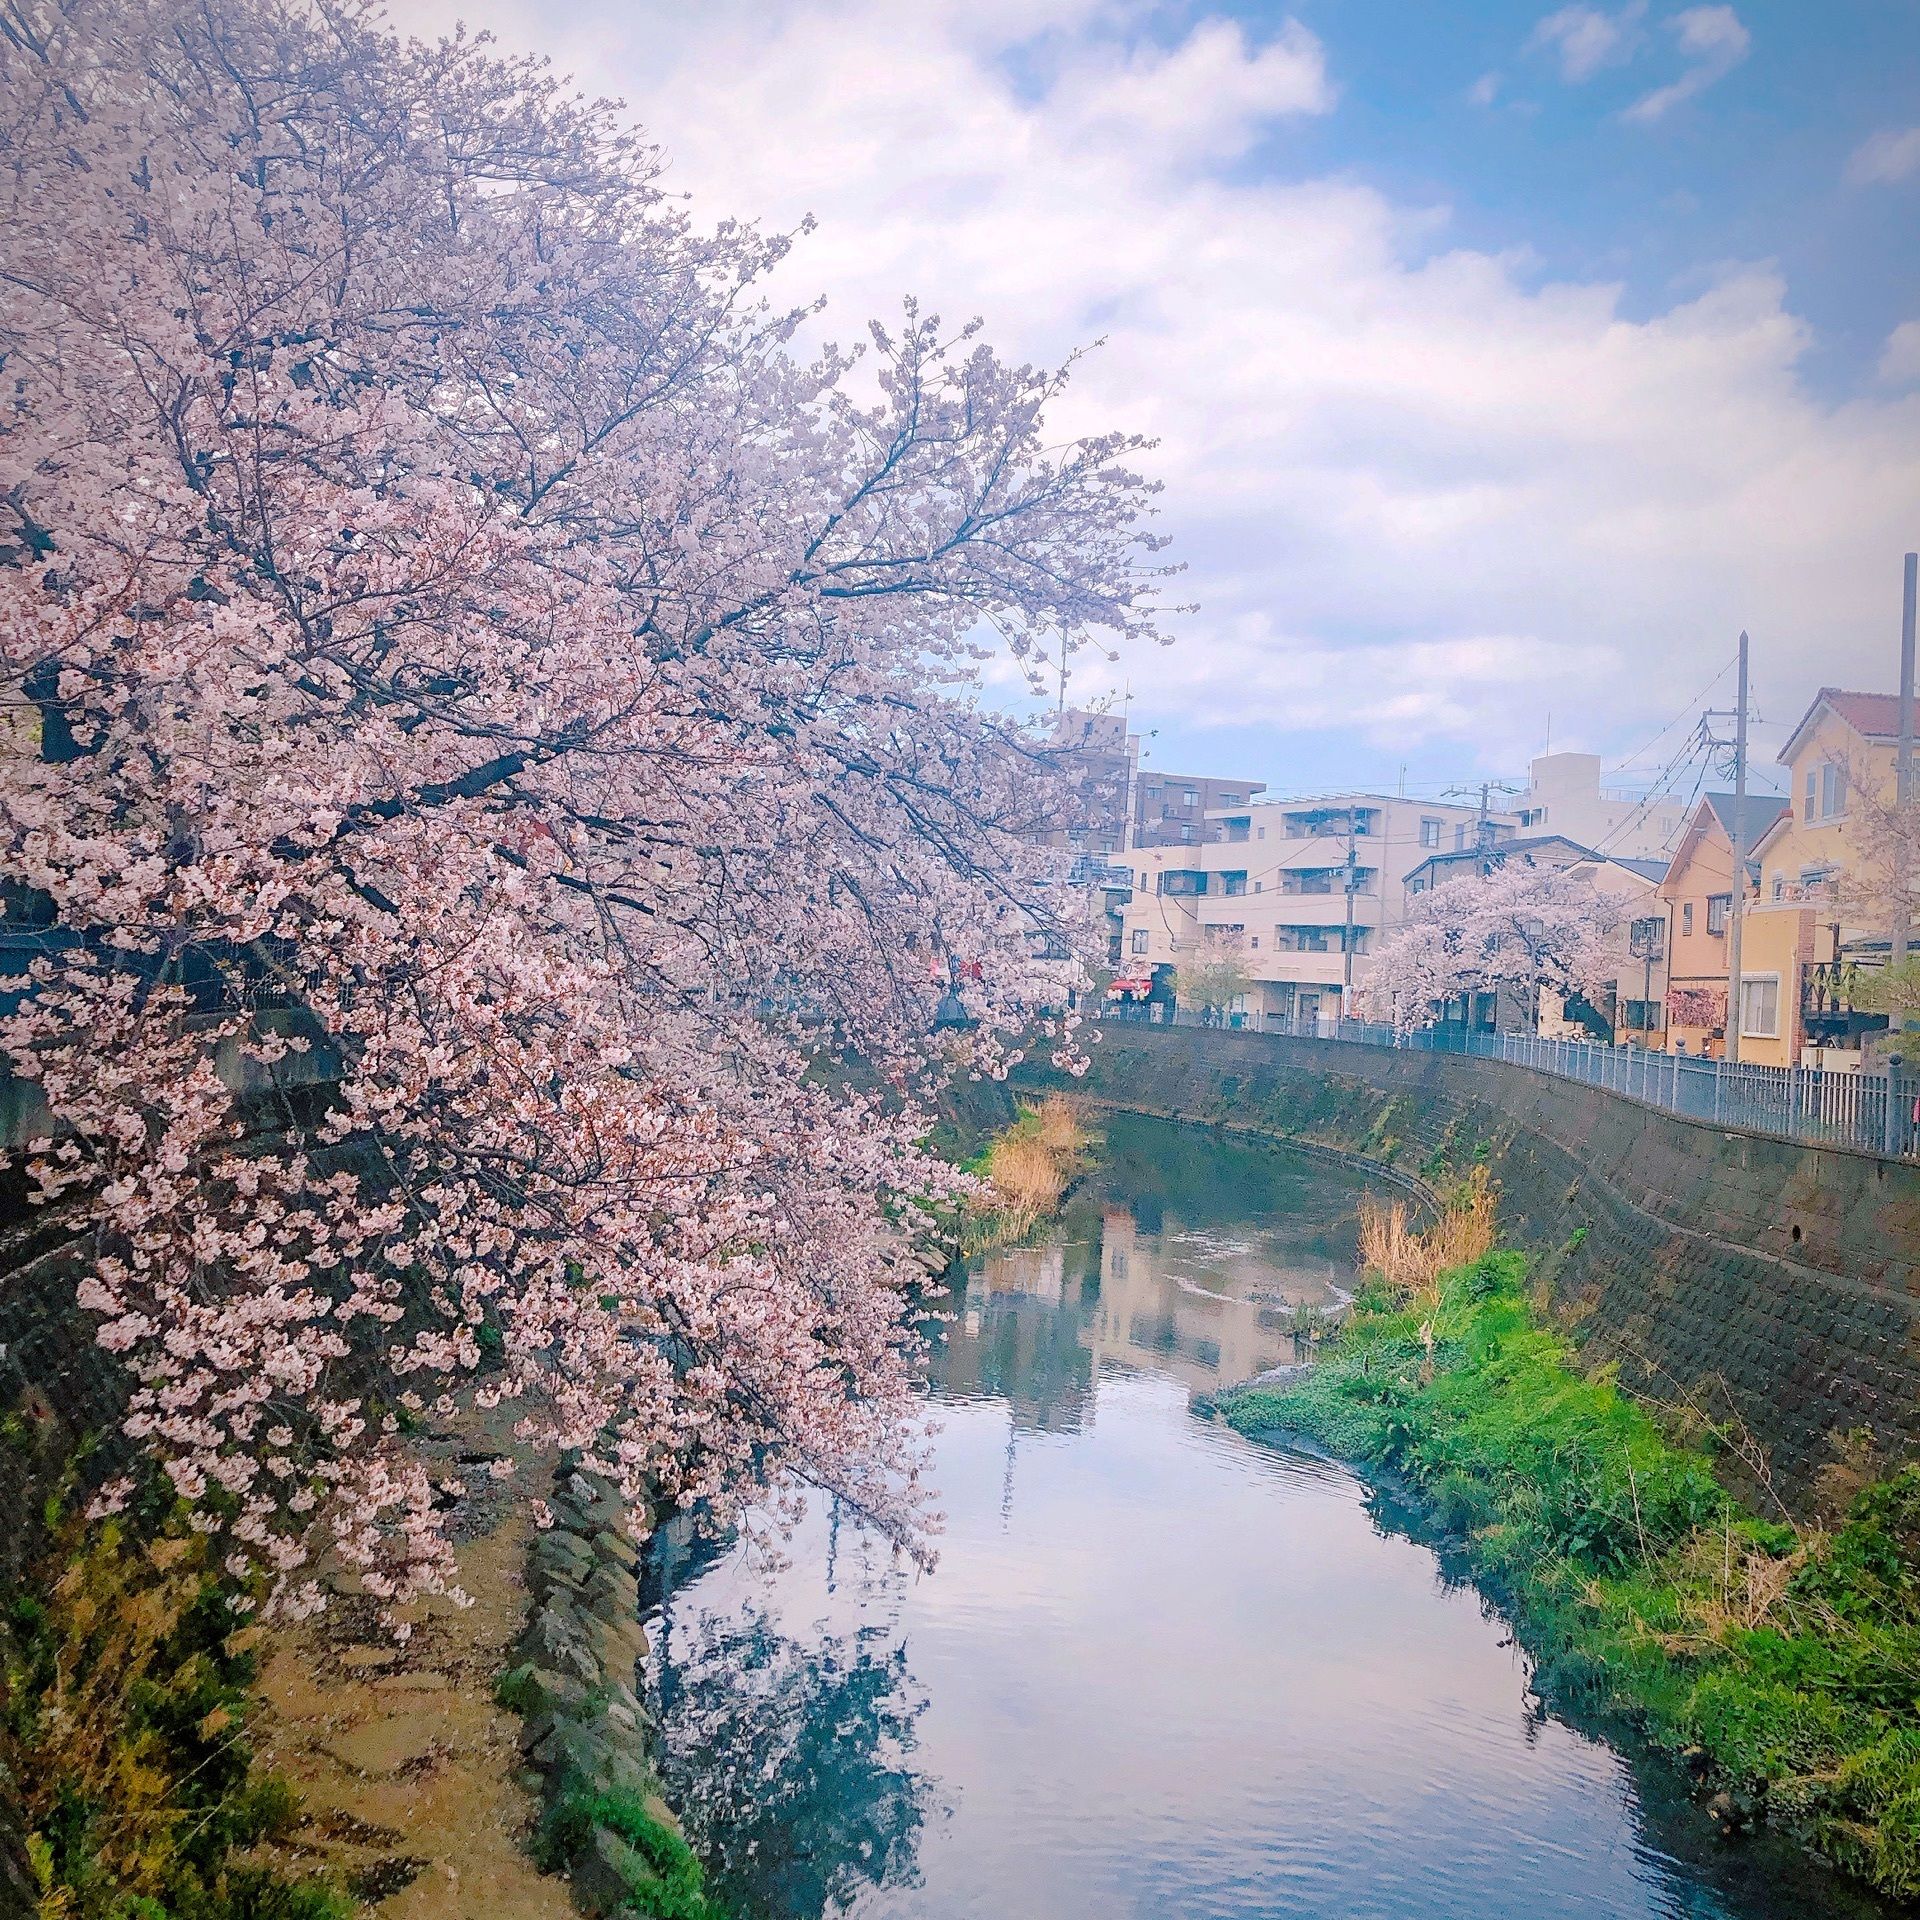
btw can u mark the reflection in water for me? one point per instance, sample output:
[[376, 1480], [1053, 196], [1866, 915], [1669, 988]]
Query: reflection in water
[[789, 1763], [1159, 1673]]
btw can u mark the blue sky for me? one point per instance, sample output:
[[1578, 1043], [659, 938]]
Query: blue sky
[[1505, 360]]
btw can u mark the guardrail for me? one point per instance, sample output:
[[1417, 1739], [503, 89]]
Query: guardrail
[[1875, 1111]]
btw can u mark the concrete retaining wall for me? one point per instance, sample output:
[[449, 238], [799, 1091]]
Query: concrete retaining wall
[[1773, 1281]]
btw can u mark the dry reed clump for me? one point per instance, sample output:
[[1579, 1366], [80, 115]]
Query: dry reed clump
[[1412, 1260], [1031, 1163]]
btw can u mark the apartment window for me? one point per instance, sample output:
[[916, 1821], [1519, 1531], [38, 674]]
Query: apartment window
[[1833, 791], [1259, 886], [1718, 906], [1229, 799], [1254, 943], [1186, 835], [1234, 883], [1645, 1016], [1429, 833], [1459, 839], [1188, 797], [1760, 1006], [1139, 939], [1260, 833], [1686, 916]]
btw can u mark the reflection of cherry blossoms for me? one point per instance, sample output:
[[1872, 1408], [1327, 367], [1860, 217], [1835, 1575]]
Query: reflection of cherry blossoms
[[1520, 926], [791, 1767], [468, 642]]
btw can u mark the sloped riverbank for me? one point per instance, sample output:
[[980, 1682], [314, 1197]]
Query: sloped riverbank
[[1780, 1664]]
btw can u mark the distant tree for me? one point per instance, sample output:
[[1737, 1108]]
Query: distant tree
[[1521, 927], [1214, 977]]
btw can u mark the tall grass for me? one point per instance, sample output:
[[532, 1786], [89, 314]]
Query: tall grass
[[1029, 1167], [1410, 1261]]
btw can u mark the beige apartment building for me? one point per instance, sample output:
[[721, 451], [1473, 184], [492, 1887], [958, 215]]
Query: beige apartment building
[[1302, 890], [1564, 796]]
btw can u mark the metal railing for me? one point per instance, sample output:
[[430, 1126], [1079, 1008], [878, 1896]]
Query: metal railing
[[1876, 1110]]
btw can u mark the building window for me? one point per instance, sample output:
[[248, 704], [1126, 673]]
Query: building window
[[1645, 1016], [1186, 835], [1686, 916], [1235, 883], [1779, 886], [1254, 943], [1459, 839], [1429, 833], [1229, 799], [1760, 1006], [1833, 791], [1718, 905], [1139, 939], [1188, 797]]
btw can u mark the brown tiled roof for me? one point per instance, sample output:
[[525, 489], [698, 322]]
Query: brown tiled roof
[[1877, 715]]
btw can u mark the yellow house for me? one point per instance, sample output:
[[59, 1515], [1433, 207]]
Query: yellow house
[[1799, 925], [1698, 897]]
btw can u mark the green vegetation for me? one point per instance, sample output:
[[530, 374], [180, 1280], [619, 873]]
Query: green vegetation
[[127, 1694], [662, 1878], [1782, 1666]]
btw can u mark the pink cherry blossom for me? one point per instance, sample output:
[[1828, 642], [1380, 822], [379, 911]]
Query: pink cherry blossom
[[510, 743]]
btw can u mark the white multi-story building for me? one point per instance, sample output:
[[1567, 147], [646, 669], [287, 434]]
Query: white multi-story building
[[1564, 796], [1299, 890]]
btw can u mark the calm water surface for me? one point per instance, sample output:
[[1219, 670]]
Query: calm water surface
[[1158, 1671]]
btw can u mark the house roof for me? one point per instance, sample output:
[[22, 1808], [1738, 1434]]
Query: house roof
[[1874, 716], [1654, 870], [1760, 812]]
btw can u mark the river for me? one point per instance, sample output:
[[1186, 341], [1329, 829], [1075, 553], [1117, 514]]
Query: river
[[1159, 1671]]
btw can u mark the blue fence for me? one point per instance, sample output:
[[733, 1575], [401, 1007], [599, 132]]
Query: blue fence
[[1876, 1111]]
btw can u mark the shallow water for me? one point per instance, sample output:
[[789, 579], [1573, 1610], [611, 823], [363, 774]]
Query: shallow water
[[1159, 1671]]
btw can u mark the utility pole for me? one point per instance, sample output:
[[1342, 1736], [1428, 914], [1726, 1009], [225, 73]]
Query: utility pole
[[1346, 970], [1903, 787], [1737, 905]]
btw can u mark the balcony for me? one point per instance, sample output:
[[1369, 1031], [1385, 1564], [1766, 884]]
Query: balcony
[[1316, 909], [1828, 1009]]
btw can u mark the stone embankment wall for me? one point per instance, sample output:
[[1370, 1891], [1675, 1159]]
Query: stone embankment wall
[[1756, 1277], [577, 1681]]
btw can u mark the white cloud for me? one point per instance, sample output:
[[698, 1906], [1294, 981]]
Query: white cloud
[[1714, 39], [1209, 97], [1900, 358], [1886, 158], [1484, 91], [1422, 492], [1585, 39]]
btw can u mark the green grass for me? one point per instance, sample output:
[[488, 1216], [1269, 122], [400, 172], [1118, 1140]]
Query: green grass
[[665, 1881], [1784, 1666]]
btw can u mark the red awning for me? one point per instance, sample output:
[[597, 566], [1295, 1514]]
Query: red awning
[[1129, 988]]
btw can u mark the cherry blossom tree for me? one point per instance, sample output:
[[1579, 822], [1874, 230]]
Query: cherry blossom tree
[[1520, 926], [479, 687]]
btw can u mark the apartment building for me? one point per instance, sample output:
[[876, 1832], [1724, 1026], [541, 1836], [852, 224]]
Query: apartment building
[[1564, 796], [1300, 890], [1178, 809]]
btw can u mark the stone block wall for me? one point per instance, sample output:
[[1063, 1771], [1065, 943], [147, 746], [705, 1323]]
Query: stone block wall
[[1775, 1282]]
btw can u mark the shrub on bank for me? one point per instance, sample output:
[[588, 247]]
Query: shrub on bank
[[128, 1692], [1783, 1665]]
